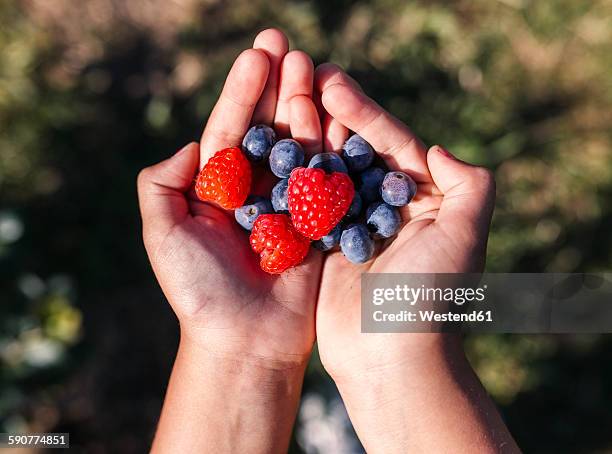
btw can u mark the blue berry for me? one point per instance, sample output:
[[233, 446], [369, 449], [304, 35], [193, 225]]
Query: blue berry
[[355, 208], [383, 220], [253, 207], [330, 162], [280, 202], [357, 153], [330, 240], [398, 189], [258, 142], [356, 244], [369, 182], [286, 155]]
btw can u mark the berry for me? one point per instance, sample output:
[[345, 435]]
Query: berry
[[369, 184], [286, 155], [330, 162], [330, 240], [383, 220], [356, 244], [355, 208], [279, 196], [251, 210], [317, 201], [279, 245], [225, 179], [398, 189], [258, 142], [357, 153]]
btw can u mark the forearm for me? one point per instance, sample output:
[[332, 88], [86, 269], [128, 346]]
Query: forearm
[[435, 405], [218, 405]]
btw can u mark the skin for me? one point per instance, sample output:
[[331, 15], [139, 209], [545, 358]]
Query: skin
[[242, 331], [247, 334], [417, 389]]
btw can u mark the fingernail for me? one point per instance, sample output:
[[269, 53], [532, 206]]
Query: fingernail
[[445, 153]]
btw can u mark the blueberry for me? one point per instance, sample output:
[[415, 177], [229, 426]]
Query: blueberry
[[330, 240], [398, 189], [369, 182], [383, 220], [357, 153], [280, 202], [355, 208], [258, 142], [286, 155], [356, 244], [330, 162], [252, 208]]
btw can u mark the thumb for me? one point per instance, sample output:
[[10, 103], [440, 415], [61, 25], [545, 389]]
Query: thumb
[[469, 198], [162, 188]]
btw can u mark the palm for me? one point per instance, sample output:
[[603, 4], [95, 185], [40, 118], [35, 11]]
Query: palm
[[420, 247], [208, 267]]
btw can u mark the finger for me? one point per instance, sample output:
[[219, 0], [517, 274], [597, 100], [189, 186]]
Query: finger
[[162, 188], [296, 78], [334, 134], [393, 140], [468, 197], [305, 124], [231, 116], [275, 44], [328, 74]]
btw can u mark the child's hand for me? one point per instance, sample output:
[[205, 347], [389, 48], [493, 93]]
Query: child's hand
[[201, 256], [407, 392], [246, 336], [445, 229]]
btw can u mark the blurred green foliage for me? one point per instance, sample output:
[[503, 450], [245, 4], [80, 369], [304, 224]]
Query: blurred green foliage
[[92, 91]]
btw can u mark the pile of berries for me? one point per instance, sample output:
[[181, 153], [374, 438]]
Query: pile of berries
[[336, 201]]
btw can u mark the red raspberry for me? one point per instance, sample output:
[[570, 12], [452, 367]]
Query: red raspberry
[[279, 245], [225, 179], [317, 201]]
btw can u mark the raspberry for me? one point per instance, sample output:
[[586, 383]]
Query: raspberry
[[317, 201], [279, 245], [225, 179]]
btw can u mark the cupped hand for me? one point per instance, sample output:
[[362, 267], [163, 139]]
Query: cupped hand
[[406, 392], [444, 230], [201, 257]]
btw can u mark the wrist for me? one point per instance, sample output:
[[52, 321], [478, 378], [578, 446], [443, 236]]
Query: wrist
[[235, 365], [406, 355], [262, 355]]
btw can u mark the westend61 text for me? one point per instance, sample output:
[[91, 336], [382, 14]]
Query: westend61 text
[[432, 316]]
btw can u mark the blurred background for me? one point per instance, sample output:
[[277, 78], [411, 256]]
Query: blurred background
[[92, 91]]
